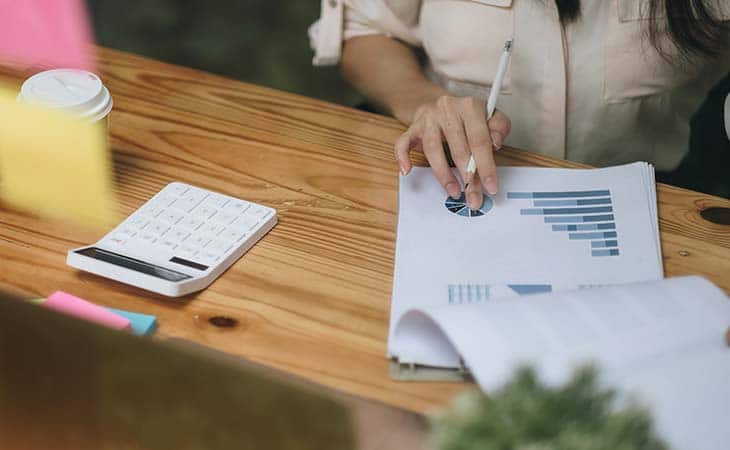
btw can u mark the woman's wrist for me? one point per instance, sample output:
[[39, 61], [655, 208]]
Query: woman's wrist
[[405, 104]]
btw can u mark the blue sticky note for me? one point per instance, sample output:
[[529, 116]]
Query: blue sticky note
[[142, 324]]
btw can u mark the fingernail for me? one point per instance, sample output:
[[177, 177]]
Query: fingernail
[[496, 140], [490, 184], [475, 200], [403, 171], [453, 189]]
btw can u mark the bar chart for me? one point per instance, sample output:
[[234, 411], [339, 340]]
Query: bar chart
[[478, 293], [582, 215]]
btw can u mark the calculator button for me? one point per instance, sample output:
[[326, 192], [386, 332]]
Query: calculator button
[[218, 247], [178, 234], [172, 216], [204, 212], [215, 201], [232, 235], [198, 240], [212, 228], [146, 237], [186, 251], [139, 221], [189, 200], [157, 228], [168, 244], [126, 232], [152, 210], [224, 218], [257, 211], [164, 200], [246, 223], [207, 258], [177, 189], [191, 223], [237, 206], [117, 241]]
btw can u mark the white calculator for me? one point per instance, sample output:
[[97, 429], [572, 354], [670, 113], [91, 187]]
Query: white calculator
[[178, 242]]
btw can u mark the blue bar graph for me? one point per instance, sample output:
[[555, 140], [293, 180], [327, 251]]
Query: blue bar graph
[[548, 211], [526, 289], [604, 244], [581, 236], [468, 293], [579, 219], [566, 194], [478, 293], [584, 215], [609, 252], [585, 227], [578, 202]]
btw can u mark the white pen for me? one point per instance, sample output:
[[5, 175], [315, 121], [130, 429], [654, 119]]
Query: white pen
[[471, 168]]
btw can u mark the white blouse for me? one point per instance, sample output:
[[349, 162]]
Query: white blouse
[[594, 91]]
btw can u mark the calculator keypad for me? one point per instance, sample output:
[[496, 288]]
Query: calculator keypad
[[190, 223]]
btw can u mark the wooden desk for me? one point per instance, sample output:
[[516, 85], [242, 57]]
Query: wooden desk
[[312, 298]]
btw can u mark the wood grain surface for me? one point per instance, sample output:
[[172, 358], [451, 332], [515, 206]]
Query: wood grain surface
[[311, 298]]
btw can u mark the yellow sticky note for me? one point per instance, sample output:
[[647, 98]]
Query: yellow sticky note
[[54, 165]]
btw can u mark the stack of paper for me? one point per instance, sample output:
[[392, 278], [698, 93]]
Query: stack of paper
[[547, 230], [660, 342], [578, 237]]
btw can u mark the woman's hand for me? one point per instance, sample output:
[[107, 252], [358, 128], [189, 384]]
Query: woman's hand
[[461, 123], [388, 72]]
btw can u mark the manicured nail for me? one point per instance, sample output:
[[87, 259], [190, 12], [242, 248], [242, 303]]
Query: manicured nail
[[490, 184], [403, 171], [453, 189], [474, 200], [496, 140]]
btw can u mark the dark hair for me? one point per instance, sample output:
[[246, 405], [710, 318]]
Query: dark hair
[[690, 25], [569, 10]]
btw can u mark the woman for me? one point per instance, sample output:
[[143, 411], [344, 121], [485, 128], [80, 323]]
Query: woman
[[597, 81]]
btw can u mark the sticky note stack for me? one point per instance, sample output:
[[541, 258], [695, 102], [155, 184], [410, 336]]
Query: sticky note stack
[[45, 33], [63, 302], [140, 324], [54, 165]]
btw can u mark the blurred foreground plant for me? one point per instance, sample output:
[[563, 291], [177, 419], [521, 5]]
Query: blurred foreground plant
[[526, 415]]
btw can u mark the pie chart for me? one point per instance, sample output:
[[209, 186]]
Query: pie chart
[[458, 206]]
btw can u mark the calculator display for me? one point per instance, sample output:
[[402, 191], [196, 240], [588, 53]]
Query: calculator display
[[133, 264]]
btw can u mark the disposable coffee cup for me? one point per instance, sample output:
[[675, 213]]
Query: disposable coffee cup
[[76, 92]]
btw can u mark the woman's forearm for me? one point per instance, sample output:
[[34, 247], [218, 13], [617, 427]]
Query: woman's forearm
[[388, 73]]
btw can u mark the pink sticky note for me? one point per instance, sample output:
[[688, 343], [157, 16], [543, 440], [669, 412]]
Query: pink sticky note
[[45, 34], [77, 307]]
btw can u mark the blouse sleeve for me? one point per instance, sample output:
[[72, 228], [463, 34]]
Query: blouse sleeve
[[344, 19]]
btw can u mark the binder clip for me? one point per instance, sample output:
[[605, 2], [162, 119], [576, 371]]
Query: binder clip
[[417, 372]]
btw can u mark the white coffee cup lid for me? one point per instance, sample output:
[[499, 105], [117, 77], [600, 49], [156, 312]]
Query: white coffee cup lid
[[77, 91]]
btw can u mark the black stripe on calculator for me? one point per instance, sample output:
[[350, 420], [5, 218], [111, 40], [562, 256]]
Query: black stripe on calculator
[[185, 262]]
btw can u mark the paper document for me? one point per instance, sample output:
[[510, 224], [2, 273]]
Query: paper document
[[547, 230], [661, 343]]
